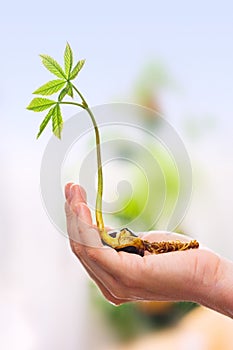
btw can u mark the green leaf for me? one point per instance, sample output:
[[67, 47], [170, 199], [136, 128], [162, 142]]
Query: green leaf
[[57, 121], [70, 90], [45, 121], [62, 94], [53, 66], [68, 60], [39, 104], [76, 69], [50, 88]]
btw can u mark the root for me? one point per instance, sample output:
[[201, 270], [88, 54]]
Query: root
[[128, 242]]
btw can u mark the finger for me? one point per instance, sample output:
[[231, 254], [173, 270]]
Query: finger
[[79, 220], [106, 293], [74, 194], [77, 198], [78, 192], [84, 214], [67, 190], [100, 277], [89, 236], [69, 212], [120, 277]]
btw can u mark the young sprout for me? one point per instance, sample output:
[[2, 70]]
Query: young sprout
[[124, 240]]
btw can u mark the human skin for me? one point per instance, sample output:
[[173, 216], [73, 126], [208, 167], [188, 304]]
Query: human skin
[[197, 275]]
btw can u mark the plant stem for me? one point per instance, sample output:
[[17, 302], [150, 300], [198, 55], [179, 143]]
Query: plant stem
[[81, 96], [98, 207], [71, 103]]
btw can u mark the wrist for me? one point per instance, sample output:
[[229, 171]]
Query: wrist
[[215, 283]]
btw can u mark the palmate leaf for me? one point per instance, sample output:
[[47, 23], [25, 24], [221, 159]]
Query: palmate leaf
[[68, 60], [57, 121], [50, 88], [76, 69], [53, 66], [62, 85], [40, 104], [45, 121]]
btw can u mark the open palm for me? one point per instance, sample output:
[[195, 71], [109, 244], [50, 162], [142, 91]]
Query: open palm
[[124, 277]]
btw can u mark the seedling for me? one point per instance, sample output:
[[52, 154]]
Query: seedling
[[124, 240]]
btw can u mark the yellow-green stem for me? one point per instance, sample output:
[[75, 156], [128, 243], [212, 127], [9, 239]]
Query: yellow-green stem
[[98, 207]]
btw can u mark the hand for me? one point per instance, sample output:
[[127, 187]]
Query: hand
[[197, 275]]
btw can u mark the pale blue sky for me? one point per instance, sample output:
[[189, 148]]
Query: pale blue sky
[[194, 40]]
